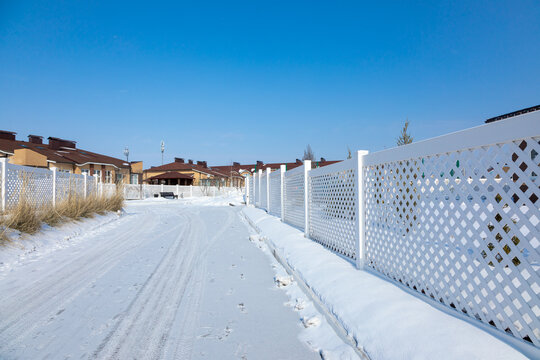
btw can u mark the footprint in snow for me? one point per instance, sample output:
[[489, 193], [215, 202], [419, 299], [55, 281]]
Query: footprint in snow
[[300, 304], [283, 281], [242, 308], [242, 277], [311, 321]]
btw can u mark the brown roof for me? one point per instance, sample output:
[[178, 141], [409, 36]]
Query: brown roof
[[273, 166], [62, 154], [178, 166], [171, 175]]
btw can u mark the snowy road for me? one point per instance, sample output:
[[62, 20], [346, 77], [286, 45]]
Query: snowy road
[[165, 281]]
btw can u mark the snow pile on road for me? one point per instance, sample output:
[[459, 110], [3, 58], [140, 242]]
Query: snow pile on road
[[386, 321]]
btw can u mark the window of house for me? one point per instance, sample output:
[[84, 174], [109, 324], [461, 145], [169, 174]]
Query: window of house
[[134, 179], [85, 171], [97, 173], [108, 176], [119, 177]]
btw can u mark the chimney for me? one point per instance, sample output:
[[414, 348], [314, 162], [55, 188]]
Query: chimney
[[259, 163], [190, 161], [205, 165], [323, 159], [57, 143], [7, 135], [35, 139], [299, 162], [179, 160], [236, 163], [202, 163]]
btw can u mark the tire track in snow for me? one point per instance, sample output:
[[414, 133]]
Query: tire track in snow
[[43, 298], [143, 329]]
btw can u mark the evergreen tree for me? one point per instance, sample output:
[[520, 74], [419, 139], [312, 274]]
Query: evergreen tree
[[308, 154], [405, 138]]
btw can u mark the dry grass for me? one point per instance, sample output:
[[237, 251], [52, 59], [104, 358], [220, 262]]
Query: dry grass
[[28, 218]]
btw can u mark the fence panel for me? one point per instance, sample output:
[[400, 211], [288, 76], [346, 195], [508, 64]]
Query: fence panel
[[251, 190], [275, 193], [35, 184], [293, 199], [461, 225], [133, 191], [264, 199], [332, 207]]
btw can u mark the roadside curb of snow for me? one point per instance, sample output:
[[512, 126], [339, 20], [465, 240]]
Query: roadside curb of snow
[[330, 318]]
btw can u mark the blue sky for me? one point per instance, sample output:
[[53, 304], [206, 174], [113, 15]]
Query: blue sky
[[245, 81]]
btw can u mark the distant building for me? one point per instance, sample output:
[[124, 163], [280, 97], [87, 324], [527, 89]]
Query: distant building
[[65, 156], [513, 113], [180, 172]]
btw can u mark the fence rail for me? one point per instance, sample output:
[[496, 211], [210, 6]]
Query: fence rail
[[455, 219]]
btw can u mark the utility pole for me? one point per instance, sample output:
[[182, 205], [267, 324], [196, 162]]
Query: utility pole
[[162, 150], [126, 154]]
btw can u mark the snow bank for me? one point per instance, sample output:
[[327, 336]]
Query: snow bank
[[24, 247], [385, 321]]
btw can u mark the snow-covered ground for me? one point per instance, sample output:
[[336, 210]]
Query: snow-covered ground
[[385, 321], [171, 279]]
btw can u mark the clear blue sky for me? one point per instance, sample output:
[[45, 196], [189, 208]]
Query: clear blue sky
[[245, 81]]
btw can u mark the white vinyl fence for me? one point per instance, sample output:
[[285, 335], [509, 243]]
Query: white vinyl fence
[[44, 186], [455, 218], [144, 191]]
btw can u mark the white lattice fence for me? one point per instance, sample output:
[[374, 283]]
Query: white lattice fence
[[275, 193], [256, 189], [293, 197], [332, 207], [35, 184], [264, 184], [68, 185], [462, 225], [251, 190]]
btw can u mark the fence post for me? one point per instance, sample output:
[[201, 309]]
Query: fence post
[[282, 169], [360, 210], [96, 189], [85, 187], [268, 170], [190, 190], [53, 187], [178, 190], [307, 168], [3, 164], [161, 188]]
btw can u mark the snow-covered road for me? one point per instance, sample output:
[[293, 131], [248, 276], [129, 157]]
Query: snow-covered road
[[167, 280]]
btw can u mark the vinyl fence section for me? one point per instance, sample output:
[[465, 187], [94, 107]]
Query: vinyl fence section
[[264, 190], [455, 219], [40, 186], [144, 191], [294, 197], [274, 198]]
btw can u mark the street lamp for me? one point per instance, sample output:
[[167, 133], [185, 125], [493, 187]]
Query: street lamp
[[162, 150], [126, 154]]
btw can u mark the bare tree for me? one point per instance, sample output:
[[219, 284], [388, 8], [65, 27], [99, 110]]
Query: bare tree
[[308, 154], [405, 138]]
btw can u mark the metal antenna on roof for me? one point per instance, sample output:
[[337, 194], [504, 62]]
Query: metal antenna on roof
[[162, 150], [126, 154]]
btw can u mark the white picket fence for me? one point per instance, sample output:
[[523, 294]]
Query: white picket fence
[[144, 191], [455, 218], [44, 186]]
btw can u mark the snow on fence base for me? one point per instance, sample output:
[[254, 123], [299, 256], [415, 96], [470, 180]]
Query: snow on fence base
[[454, 218]]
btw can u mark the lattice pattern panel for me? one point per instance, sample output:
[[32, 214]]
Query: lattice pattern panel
[[256, 200], [463, 229], [264, 197], [133, 191], [332, 207], [251, 190], [293, 197], [34, 184], [69, 185], [275, 193]]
